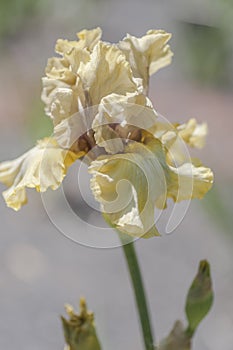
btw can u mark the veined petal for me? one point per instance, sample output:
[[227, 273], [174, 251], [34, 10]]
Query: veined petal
[[128, 185], [148, 54], [120, 118], [42, 167], [107, 72], [189, 181]]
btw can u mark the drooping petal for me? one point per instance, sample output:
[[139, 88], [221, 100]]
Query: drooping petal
[[107, 72], [128, 186], [120, 118], [192, 133], [189, 181], [175, 138], [188, 177], [147, 54], [42, 167]]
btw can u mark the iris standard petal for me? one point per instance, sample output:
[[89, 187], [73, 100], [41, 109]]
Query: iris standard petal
[[147, 54]]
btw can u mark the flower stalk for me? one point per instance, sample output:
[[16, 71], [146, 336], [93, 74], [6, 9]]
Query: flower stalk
[[139, 293]]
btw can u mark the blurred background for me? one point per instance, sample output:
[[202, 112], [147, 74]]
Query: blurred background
[[40, 269]]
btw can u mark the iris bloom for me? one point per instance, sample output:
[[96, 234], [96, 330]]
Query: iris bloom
[[96, 95]]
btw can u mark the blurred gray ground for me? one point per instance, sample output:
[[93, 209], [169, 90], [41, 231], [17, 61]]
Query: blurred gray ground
[[40, 269]]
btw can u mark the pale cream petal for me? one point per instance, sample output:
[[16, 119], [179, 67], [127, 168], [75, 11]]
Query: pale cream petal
[[58, 68], [128, 186], [80, 79], [60, 77], [10, 169], [65, 68], [49, 90], [75, 57], [147, 54], [62, 71], [120, 118], [43, 167], [64, 104], [87, 40], [160, 54], [189, 181], [107, 72]]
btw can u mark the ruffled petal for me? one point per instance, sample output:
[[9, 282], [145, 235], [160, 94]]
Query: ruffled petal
[[87, 40], [42, 167], [107, 72], [147, 54], [128, 186], [80, 79], [49, 90], [61, 72], [65, 68]]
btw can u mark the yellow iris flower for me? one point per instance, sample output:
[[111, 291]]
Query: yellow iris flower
[[95, 94]]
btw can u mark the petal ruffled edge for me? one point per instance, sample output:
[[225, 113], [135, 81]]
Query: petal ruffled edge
[[42, 167]]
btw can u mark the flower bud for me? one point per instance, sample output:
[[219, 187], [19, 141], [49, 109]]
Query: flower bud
[[79, 330]]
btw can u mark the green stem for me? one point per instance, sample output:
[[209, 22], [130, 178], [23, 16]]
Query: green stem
[[140, 298]]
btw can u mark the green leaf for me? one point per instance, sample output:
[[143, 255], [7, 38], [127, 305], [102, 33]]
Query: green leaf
[[200, 297]]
